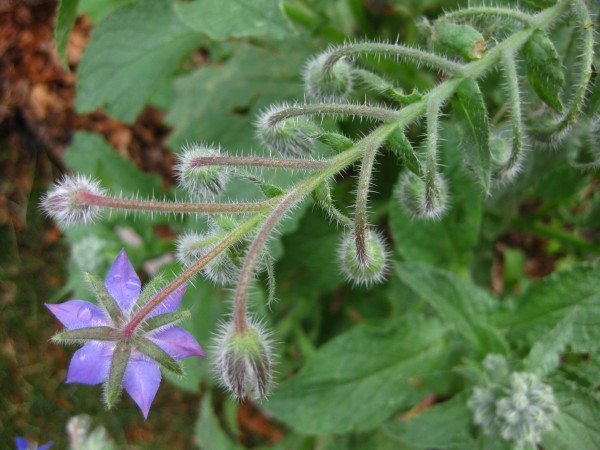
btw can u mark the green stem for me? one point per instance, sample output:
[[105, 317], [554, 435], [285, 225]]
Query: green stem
[[256, 161], [489, 11], [336, 109], [394, 50]]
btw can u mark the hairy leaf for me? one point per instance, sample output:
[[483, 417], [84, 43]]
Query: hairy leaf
[[356, 381], [544, 68], [474, 128], [462, 305]]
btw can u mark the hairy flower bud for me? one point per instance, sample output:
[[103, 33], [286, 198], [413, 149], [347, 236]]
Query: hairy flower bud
[[191, 247], [458, 40], [373, 269], [503, 169], [294, 136], [202, 181], [68, 202], [412, 193], [328, 84], [244, 361]]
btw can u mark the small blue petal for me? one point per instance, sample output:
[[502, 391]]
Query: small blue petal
[[141, 381], [22, 443], [122, 283], [171, 303], [46, 446], [76, 314], [91, 363]]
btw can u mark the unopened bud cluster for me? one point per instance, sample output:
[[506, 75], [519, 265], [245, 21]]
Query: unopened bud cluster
[[517, 407], [368, 269], [328, 84], [201, 181], [420, 199], [68, 201]]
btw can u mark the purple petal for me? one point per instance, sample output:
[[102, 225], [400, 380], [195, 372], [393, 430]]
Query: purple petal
[[91, 363], [171, 303], [79, 314], [46, 446], [22, 443], [177, 342], [122, 283], [141, 380]]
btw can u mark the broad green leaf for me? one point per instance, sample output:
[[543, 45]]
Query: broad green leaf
[[362, 377], [99, 9], [92, 155], [223, 19], [474, 129], [463, 306], [545, 353], [444, 425], [208, 432], [220, 102], [544, 68], [542, 306], [576, 421], [448, 242], [129, 54], [65, 19]]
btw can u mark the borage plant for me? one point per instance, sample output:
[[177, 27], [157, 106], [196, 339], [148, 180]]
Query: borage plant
[[507, 351]]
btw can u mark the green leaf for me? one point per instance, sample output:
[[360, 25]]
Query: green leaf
[[544, 304], [544, 356], [360, 378], [576, 421], [462, 305], [129, 54], [544, 68], [162, 320], [474, 129], [444, 425], [224, 19], [208, 431], [66, 14], [401, 146], [90, 154], [448, 242]]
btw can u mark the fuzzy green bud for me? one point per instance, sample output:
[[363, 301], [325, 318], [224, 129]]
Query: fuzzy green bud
[[328, 84], [244, 361], [201, 181], [374, 267], [462, 41], [412, 192]]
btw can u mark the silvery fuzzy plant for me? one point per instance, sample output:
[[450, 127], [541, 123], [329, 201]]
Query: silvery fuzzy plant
[[133, 332]]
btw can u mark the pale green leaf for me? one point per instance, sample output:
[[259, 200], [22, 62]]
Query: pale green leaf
[[223, 19], [362, 377], [474, 129], [208, 431], [129, 54]]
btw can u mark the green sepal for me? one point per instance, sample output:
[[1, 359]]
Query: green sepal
[[322, 196], [162, 320], [113, 385], [108, 303], [268, 189], [459, 40], [474, 129], [86, 334], [401, 146], [544, 68], [153, 351], [385, 88], [150, 290], [339, 143]]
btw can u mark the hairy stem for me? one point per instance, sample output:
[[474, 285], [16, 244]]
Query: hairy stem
[[512, 83], [394, 50], [255, 161], [508, 13], [431, 169], [361, 222], [156, 300], [151, 206], [341, 109]]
